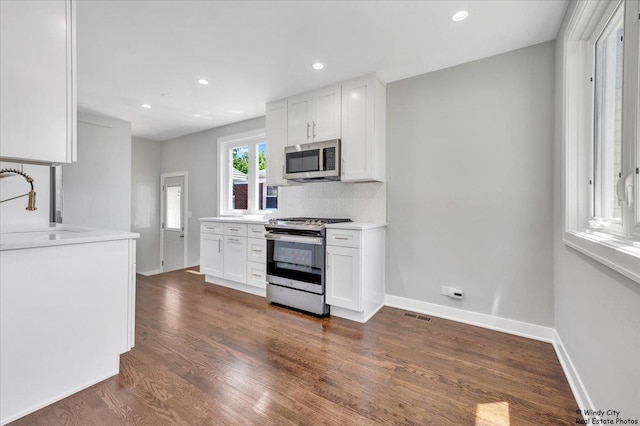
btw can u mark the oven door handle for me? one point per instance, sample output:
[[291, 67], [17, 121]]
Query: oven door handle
[[318, 241]]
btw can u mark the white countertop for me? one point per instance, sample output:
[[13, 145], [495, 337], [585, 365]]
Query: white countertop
[[241, 219], [15, 237], [355, 225]]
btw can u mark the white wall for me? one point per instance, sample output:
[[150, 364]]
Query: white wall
[[597, 310], [97, 189], [14, 212], [146, 158], [197, 153], [470, 168]]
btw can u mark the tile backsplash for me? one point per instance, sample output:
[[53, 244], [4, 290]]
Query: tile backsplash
[[360, 202]]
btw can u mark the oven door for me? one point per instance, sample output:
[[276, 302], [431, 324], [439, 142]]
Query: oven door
[[296, 261]]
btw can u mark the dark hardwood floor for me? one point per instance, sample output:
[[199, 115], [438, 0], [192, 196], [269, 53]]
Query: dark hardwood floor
[[207, 355]]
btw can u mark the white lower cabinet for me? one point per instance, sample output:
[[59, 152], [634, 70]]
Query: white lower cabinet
[[234, 254], [257, 274], [211, 255], [343, 277], [235, 259], [355, 270]]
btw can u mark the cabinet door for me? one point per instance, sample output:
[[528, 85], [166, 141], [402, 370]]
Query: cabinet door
[[344, 287], [235, 259], [37, 81], [299, 120], [326, 114], [358, 130], [276, 141], [211, 255]]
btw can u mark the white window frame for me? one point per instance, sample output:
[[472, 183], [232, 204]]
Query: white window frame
[[616, 247], [251, 139]]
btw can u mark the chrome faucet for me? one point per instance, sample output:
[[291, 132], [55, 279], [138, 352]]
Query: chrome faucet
[[31, 204]]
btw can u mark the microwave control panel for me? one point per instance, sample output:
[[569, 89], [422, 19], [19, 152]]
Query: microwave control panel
[[329, 158]]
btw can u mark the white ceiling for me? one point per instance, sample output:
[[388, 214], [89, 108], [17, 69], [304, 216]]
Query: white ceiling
[[253, 52]]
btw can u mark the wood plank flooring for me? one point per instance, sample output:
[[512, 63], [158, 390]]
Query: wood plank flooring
[[207, 355]]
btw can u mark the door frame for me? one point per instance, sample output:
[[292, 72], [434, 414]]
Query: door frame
[[185, 216]]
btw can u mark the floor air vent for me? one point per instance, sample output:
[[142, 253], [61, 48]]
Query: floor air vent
[[416, 316]]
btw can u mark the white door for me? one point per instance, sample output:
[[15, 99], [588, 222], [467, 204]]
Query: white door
[[235, 259], [173, 195], [211, 255], [343, 278], [298, 120], [326, 114], [276, 141]]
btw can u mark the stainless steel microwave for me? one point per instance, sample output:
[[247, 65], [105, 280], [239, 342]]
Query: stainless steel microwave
[[317, 161]]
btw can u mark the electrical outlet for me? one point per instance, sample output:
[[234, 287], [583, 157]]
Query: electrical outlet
[[454, 293]]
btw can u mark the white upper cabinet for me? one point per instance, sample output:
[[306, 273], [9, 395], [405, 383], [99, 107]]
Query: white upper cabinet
[[314, 117], [276, 141], [299, 119], [354, 111], [363, 130], [325, 123], [37, 81]]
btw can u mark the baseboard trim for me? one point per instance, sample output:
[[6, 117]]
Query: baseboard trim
[[518, 328], [61, 396], [505, 325], [149, 273], [570, 372]]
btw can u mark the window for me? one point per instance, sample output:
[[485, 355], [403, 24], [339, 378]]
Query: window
[[174, 206], [609, 53], [242, 178], [600, 118]]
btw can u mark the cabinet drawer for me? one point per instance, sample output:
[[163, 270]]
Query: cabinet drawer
[[238, 229], [257, 250], [256, 231], [343, 238], [257, 274], [211, 228]]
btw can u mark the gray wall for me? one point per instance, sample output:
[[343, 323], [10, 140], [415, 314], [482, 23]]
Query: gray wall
[[197, 153], [469, 163], [146, 157], [97, 189], [597, 310]]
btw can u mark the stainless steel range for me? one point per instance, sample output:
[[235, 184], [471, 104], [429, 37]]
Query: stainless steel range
[[296, 263]]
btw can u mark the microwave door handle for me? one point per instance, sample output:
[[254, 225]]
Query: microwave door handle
[[321, 159]]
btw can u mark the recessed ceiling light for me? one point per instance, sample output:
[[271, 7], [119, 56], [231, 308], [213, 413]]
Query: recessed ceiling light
[[147, 106], [460, 16], [233, 111], [203, 82], [317, 66]]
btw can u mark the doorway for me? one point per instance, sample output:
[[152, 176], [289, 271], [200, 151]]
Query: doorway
[[173, 221]]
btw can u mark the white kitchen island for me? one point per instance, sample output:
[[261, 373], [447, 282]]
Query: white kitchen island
[[67, 312]]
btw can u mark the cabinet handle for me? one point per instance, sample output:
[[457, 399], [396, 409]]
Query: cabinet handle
[[256, 275], [233, 240], [234, 229], [340, 238], [314, 129], [256, 231], [308, 126], [283, 171], [220, 245]]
